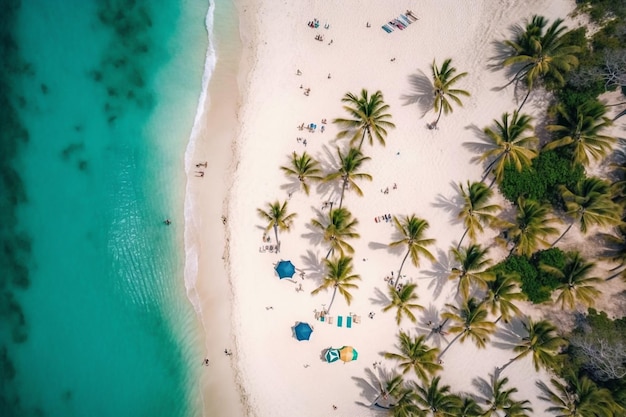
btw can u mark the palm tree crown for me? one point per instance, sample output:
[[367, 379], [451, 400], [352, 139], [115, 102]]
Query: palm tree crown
[[403, 299], [414, 354], [277, 218], [470, 320], [532, 227], [473, 261], [443, 80], [412, 230], [339, 276], [369, 118], [338, 226], [580, 132], [542, 341], [437, 399], [476, 211], [575, 285], [348, 171], [304, 168], [589, 203], [512, 142], [539, 54], [501, 292]]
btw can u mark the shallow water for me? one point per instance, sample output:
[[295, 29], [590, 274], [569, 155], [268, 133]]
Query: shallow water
[[95, 316]]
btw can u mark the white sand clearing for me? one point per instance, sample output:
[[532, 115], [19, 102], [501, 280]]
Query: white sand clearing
[[281, 376]]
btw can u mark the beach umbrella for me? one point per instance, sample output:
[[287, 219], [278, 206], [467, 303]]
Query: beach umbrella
[[331, 355], [303, 331], [285, 269], [348, 353]]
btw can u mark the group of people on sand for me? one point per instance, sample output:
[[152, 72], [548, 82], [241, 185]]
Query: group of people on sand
[[201, 165]]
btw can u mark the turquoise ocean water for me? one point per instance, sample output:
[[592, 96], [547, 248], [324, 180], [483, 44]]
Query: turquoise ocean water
[[98, 100]]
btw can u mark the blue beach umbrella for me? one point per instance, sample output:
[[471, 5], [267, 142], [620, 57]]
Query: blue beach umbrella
[[331, 355], [303, 331], [285, 269]]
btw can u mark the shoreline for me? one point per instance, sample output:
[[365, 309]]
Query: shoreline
[[206, 236]]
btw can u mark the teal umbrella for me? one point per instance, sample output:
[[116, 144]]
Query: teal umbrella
[[303, 331], [332, 355], [285, 269]]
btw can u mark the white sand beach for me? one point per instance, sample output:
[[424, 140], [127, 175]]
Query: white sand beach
[[420, 169]]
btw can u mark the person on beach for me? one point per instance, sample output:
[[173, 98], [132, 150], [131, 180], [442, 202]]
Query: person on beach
[[167, 222], [200, 174], [202, 164]]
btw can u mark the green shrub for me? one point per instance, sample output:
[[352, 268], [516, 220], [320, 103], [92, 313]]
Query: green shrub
[[540, 181]]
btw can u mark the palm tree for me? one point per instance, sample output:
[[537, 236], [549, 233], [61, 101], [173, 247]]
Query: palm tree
[[575, 285], [412, 230], [502, 291], [541, 55], [389, 388], [513, 143], [580, 130], [407, 405], [542, 341], [518, 409], [339, 276], [403, 300], [348, 171], [277, 218], [437, 399], [369, 118], [470, 321], [469, 408], [476, 212], [578, 397], [304, 168], [499, 398], [532, 227], [589, 203], [338, 227], [416, 355], [443, 80], [473, 261]]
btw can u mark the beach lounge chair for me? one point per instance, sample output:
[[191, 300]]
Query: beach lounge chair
[[330, 319], [339, 321], [349, 322], [404, 20], [356, 319], [387, 29]]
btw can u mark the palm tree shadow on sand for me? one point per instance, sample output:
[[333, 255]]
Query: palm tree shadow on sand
[[438, 276], [328, 164], [380, 298], [422, 93], [479, 148], [315, 235], [452, 204], [313, 265], [508, 336], [372, 386], [432, 325]]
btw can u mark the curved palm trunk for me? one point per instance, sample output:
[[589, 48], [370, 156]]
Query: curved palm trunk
[[563, 234], [343, 190], [276, 235], [332, 300], [439, 116], [488, 169], [517, 77], [330, 252], [462, 237], [524, 101], [362, 138], [401, 266], [499, 370], [450, 344]]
